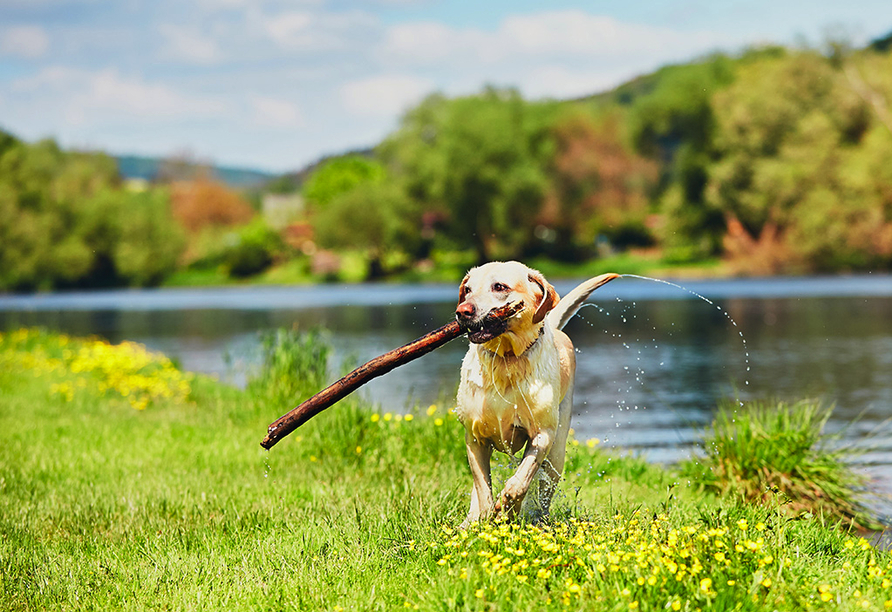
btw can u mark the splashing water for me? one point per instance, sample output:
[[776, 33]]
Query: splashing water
[[633, 375], [746, 352]]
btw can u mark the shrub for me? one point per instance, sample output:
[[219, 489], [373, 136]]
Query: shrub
[[202, 203], [257, 247], [294, 365], [766, 448]]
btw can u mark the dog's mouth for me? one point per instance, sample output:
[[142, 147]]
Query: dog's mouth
[[491, 325], [486, 329]]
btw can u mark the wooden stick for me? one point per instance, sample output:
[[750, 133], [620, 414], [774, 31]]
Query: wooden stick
[[378, 366]]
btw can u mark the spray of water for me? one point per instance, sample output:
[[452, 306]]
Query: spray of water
[[746, 352], [634, 370]]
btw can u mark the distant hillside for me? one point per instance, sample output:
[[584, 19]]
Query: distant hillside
[[134, 166]]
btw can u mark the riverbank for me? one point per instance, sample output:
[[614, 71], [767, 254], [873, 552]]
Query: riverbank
[[104, 505], [449, 268]]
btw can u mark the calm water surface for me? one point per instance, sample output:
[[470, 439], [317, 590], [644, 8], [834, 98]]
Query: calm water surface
[[653, 360]]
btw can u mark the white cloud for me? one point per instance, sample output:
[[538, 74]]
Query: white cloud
[[316, 31], [82, 96], [188, 45], [275, 112], [570, 35], [384, 95], [29, 42], [561, 53]]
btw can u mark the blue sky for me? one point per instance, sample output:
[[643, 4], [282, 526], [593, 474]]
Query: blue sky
[[274, 84]]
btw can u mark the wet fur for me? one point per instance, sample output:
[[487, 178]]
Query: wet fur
[[516, 389]]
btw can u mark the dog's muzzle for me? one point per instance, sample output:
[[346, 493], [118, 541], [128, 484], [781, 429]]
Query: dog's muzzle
[[489, 326]]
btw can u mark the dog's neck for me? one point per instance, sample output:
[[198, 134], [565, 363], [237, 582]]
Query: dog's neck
[[513, 344]]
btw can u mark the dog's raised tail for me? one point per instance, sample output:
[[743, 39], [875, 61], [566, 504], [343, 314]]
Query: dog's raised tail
[[570, 303]]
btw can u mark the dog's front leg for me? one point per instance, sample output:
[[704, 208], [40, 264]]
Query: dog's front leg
[[517, 486], [479, 456]]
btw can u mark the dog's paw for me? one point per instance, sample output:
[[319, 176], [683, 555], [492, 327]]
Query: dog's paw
[[513, 492]]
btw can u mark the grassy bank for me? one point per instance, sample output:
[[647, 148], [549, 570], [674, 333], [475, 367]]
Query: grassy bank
[[126, 484], [449, 268]]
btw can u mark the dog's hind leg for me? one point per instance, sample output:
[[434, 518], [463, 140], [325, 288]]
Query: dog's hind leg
[[553, 466]]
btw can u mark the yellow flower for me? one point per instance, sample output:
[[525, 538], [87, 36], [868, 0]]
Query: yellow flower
[[479, 593], [358, 450], [376, 417], [387, 416], [438, 422], [676, 605], [431, 409], [409, 417], [592, 443], [742, 524], [633, 605], [766, 583], [705, 584]]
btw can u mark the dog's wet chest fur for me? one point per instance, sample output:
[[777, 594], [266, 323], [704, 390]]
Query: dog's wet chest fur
[[507, 399]]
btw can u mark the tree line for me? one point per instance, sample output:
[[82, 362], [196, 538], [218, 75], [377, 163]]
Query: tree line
[[775, 160]]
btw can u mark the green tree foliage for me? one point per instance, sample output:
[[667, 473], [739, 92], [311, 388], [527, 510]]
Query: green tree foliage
[[479, 163], [803, 167], [598, 187], [340, 175], [257, 247], [65, 221], [675, 123], [377, 218]]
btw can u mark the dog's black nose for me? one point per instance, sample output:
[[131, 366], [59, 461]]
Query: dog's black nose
[[465, 311]]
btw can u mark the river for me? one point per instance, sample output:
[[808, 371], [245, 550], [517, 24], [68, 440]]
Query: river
[[654, 360]]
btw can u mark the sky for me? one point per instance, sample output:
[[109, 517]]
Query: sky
[[276, 84]]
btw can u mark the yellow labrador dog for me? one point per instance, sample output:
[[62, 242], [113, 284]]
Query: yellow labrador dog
[[516, 386]]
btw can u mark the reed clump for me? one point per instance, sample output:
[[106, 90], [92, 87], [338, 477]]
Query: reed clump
[[763, 451]]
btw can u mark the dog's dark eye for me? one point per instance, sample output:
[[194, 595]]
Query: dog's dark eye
[[500, 288]]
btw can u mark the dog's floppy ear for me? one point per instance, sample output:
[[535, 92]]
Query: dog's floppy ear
[[549, 300], [463, 289]]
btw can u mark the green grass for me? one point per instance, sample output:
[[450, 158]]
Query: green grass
[[445, 267], [763, 449], [176, 506]]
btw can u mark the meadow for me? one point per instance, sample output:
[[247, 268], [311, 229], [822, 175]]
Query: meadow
[[128, 484]]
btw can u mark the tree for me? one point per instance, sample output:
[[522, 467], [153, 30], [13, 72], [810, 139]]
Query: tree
[[598, 186], [67, 222], [340, 175], [377, 218], [801, 161], [202, 203], [479, 162], [675, 124]]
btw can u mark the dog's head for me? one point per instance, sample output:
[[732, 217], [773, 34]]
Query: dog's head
[[487, 288]]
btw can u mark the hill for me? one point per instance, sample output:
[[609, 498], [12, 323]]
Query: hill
[[139, 167]]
